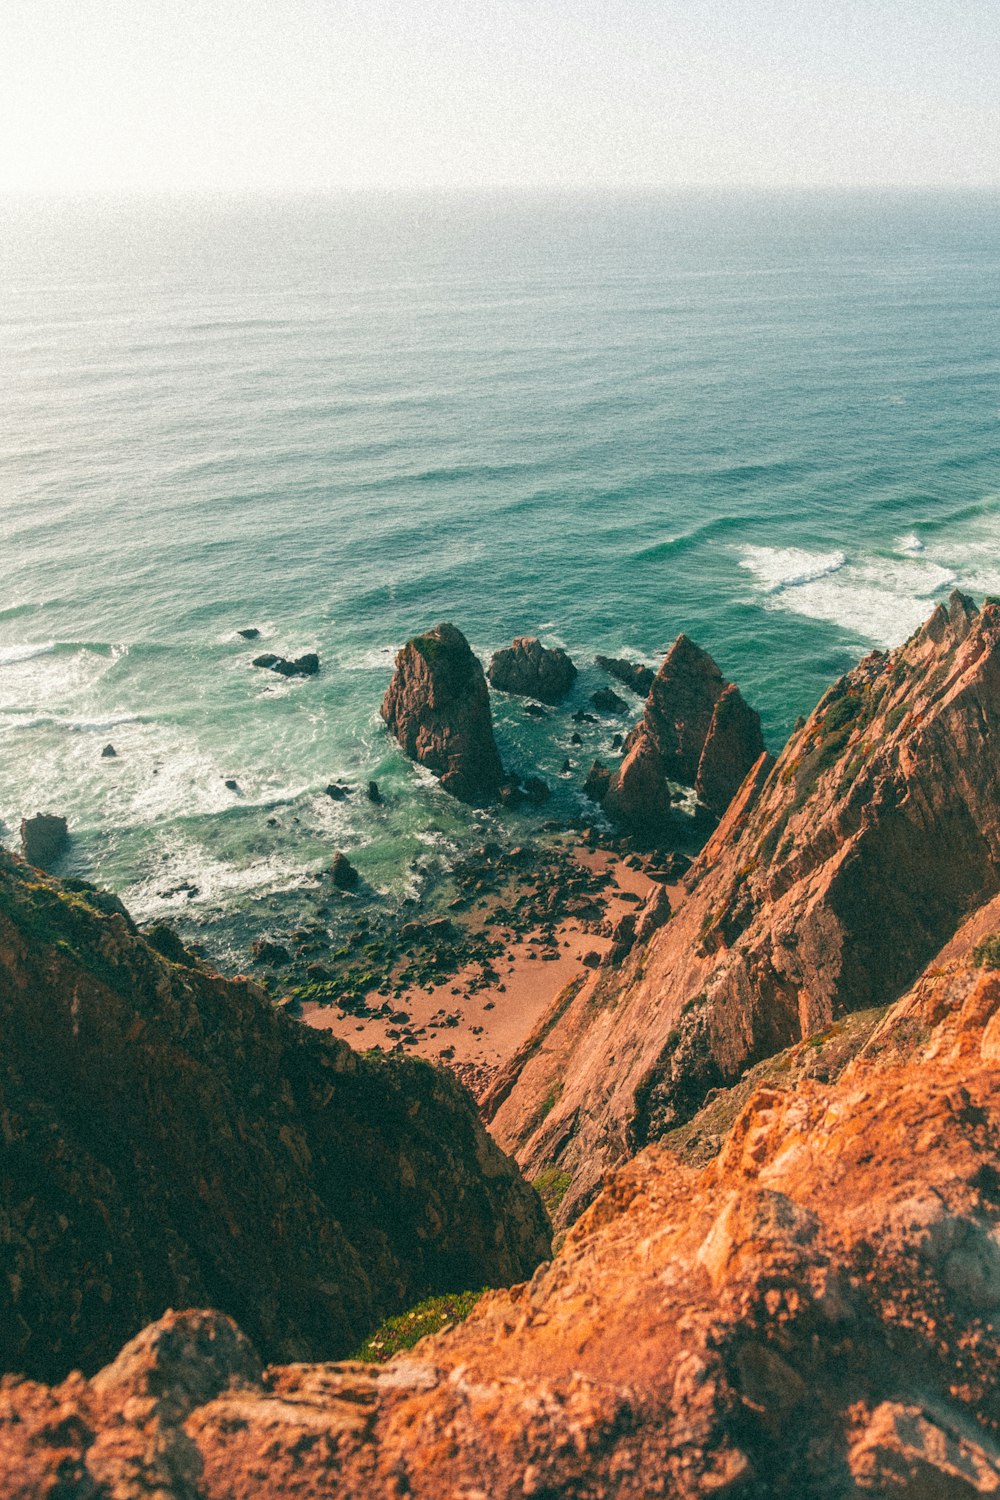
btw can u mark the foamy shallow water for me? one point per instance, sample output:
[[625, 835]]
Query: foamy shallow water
[[341, 422]]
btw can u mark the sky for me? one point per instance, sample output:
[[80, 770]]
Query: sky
[[321, 95]]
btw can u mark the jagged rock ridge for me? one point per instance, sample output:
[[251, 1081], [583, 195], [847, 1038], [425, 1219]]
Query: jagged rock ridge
[[805, 1318], [438, 707], [168, 1138], [532, 670], [696, 730], [832, 879]]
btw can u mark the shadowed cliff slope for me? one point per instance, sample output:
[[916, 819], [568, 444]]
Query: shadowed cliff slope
[[833, 878], [166, 1138], [811, 1316]]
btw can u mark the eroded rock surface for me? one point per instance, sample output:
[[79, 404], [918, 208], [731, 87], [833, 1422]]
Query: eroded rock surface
[[438, 708], [44, 839], [834, 876], [167, 1138], [532, 670], [811, 1316]]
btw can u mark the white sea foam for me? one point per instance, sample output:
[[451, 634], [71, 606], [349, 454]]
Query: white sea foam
[[777, 568], [910, 544], [883, 600], [216, 881], [10, 655]]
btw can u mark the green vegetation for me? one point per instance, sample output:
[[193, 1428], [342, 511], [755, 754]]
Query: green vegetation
[[408, 1328], [986, 955], [552, 1186]]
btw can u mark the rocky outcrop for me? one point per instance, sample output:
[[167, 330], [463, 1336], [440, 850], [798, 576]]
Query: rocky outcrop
[[301, 666], [438, 707], [834, 876], [810, 1316], [532, 670], [733, 744], [168, 1139], [633, 674], [692, 715], [44, 839]]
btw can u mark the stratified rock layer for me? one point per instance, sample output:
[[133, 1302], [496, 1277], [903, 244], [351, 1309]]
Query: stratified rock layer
[[696, 730], [812, 1316], [167, 1138], [833, 878], [438, 707], [532, 670]]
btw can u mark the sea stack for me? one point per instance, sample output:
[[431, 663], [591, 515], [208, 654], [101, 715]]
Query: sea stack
[[438, 708], [532, 670], [43, 839], [683, 727]]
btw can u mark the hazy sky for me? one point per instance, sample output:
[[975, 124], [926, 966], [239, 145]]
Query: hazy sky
[[315, 94]]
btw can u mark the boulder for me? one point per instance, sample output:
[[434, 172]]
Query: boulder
[[345, 876], [109, 753], [43, 839], [302, 666], [438, 708], [532, 670], [251, 633], [607, 701], [536, 790], [596, 785], [373, 794]]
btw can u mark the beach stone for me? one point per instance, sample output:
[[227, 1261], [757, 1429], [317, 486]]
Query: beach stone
[[528, 668], [43, 839], [438, 708]]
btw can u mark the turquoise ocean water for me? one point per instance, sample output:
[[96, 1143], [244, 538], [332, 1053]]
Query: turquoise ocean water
[[773, 422]]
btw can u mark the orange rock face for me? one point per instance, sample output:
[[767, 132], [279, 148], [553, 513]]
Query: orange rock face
[[834, 877], [813, 1315]]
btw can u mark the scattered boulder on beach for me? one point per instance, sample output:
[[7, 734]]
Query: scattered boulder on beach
[[438, 708], [302, 666], [109, 753], [43, 839], [345, 877], [532, 670]]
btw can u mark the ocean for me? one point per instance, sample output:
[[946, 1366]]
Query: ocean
[[771, 421]]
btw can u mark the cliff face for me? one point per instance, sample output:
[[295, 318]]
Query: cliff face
[[833, 878], [806, 1318], [166, 1138], [438, 707]]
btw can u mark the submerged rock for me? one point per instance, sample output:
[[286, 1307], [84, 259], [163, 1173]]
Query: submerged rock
[[302, 666], [251, 633], [44, 839], [438, 708], [109, 753], [528, 668]]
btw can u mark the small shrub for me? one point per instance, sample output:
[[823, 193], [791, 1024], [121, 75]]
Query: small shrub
[[551, 1186], [404, 1331], [986, 955]]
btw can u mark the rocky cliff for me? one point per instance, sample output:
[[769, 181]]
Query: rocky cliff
[[810, 1316], [438, 707], [833, 878], [167, 1138]]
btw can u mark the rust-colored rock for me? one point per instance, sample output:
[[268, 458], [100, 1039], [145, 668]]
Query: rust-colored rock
[[696, 730], [168, 1138], [532, 670], [438, 707], [832, 879], [811, 1316]]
